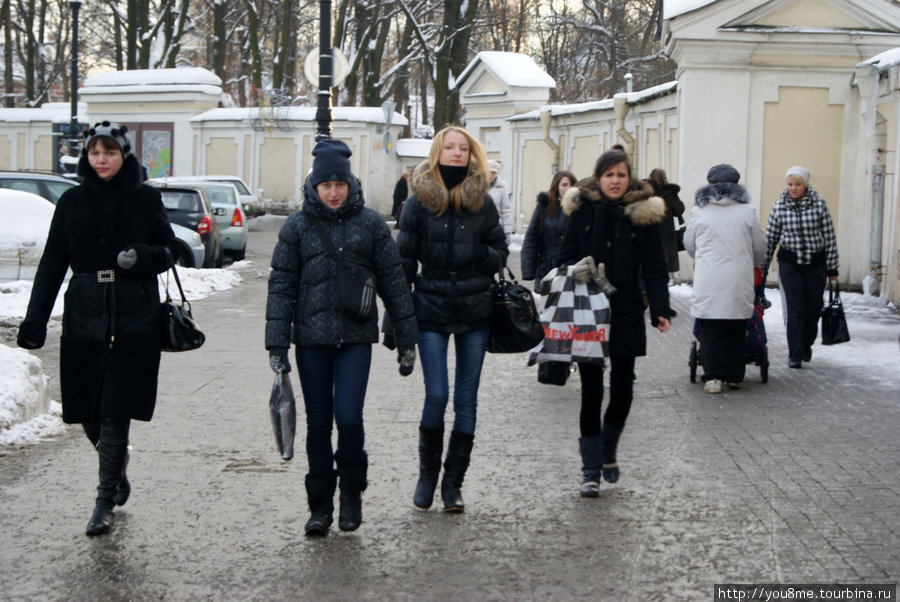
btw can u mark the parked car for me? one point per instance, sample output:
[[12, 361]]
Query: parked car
[[188, 206], [249, 201], [23, 233], [191, 250], [233, 222], [44, 184]]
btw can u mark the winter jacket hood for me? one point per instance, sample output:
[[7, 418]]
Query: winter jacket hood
[[129, 177], [314, 206], [722, 193], [642, 207], [435, 198]]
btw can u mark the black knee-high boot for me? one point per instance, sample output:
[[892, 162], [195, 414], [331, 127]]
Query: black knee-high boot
[[459, 451], [431, 445], [352, 483], [123, 489], [111, 450]]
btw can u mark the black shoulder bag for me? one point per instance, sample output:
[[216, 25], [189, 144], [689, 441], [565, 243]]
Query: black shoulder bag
[[515, 325], [180, 332], [834, 324], [355, 282]]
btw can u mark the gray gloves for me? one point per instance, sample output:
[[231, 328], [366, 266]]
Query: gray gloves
[[278, 359], [406, 357], [585, 270], [126, 259]]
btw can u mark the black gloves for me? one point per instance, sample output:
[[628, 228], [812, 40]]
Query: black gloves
[[32, 335], [406, 357], [278, 359]]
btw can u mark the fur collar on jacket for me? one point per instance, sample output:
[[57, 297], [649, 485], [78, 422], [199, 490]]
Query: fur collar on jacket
[[543, 199], [434, 197], [722, 191], [640, 205]]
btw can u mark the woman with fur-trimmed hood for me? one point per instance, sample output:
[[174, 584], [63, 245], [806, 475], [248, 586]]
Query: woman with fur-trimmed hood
[[726, 240], [614, 220], [451, 228]]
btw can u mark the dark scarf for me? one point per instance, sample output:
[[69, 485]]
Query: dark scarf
[[453, 175]]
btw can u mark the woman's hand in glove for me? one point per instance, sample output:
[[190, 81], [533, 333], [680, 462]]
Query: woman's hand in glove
[[406, 357], [278, 359], [584, 269]]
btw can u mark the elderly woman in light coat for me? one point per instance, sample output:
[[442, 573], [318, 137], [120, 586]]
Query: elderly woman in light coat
[[726, 240]]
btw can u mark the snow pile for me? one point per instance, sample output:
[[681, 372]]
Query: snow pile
[[200, 283], [26, 411]]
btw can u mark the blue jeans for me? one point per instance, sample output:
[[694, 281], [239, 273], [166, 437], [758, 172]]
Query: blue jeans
[[334, 381], [470, 350]]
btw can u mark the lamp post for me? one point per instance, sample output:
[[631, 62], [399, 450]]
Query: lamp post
[[323, 107], [73, 124]]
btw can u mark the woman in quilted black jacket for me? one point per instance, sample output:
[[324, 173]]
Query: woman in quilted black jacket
[[333, 346], [451, 228]]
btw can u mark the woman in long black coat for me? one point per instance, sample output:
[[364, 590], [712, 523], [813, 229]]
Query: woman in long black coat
[[544, 235], [114, 233], [614, 220], [668, 192]]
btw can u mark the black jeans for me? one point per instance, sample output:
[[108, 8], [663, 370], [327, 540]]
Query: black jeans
[[802, 287], [722, 349], [621, 392]]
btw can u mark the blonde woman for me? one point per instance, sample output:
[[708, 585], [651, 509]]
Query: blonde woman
[[450, 228]]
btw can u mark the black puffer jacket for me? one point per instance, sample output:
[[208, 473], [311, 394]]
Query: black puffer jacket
[[303, 282], [543, 239], [624, 236], [111, 337], [674, 209], [459, 252]]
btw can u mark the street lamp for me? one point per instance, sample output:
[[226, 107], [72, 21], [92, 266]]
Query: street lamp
[[323, 107], [73, 124]]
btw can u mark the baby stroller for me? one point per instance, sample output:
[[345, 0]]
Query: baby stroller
[[755, 350]]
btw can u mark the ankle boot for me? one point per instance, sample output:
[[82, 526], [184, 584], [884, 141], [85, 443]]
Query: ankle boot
[[610, 441], [352, 483], [320, 496], [591, 465], [431, 444], [111, 449], [459, 450]]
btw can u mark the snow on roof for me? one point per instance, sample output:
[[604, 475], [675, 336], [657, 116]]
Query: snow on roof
[[363, 114], [413, 147], [599, 105], [886, 59], [673, 8], [513, 68], [153, 77], [54, 112]]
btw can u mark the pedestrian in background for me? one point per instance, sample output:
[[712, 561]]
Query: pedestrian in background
[[668, 192], [451, 228], [114, 233], [801, 226], [614, 220], [726, 240], [543, 238], [333, 348], [401, 191], [499, 192]]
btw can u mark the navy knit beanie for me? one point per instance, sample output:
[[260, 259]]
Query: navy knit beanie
[[722, 173], [332, 162]]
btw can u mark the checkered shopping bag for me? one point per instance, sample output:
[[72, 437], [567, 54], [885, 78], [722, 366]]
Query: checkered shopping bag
[[575, 318]]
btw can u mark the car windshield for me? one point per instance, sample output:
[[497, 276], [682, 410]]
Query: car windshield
[[223, 195], [182, 201]]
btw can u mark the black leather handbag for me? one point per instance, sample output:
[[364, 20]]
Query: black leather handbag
[[180, 332], [834, 323], [515, 326]]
